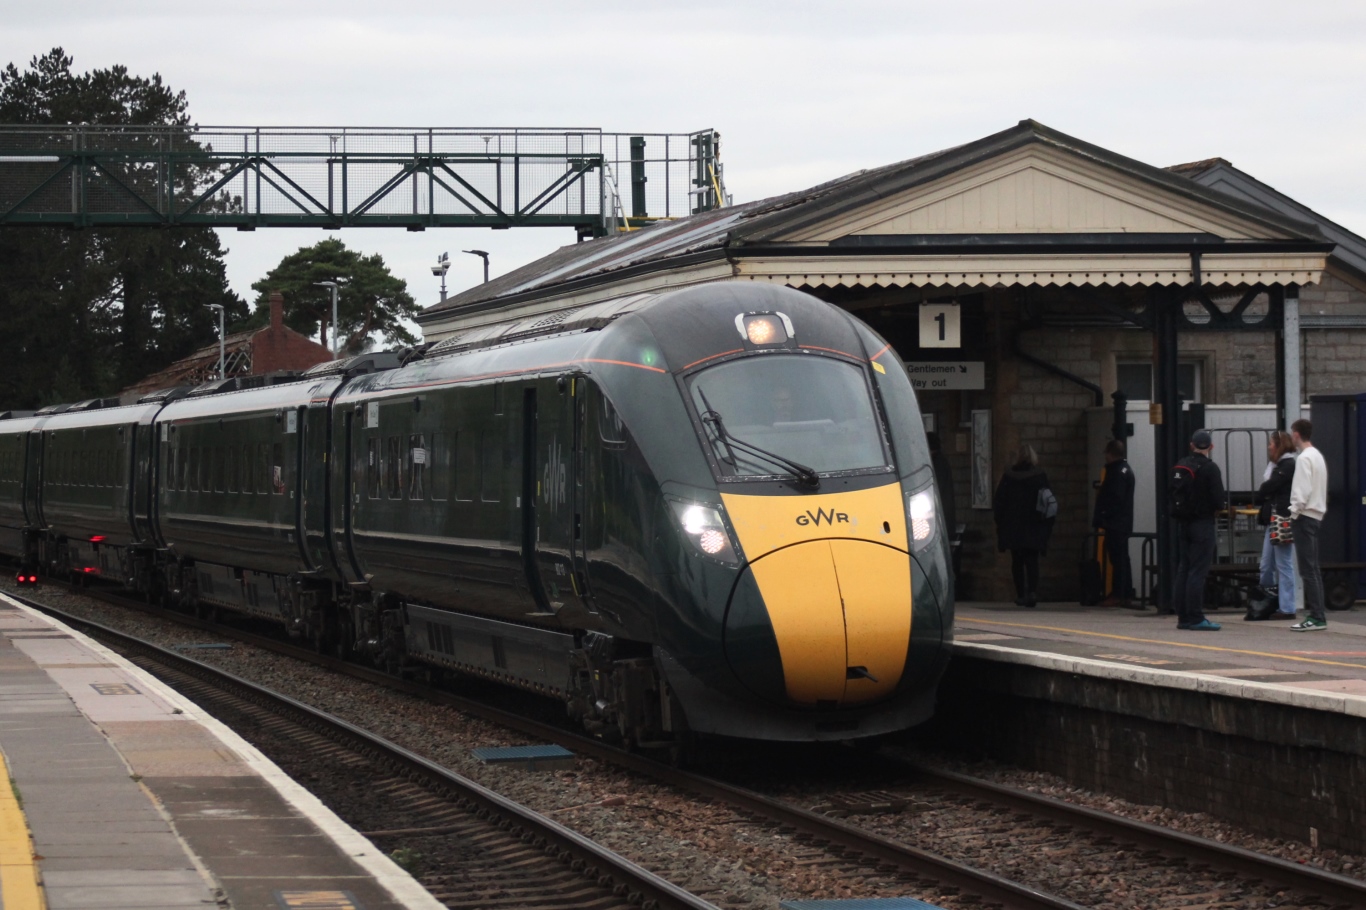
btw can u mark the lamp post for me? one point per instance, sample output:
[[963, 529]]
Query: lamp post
[[333, 286], [222, 349], [443, 264], [484, 256]]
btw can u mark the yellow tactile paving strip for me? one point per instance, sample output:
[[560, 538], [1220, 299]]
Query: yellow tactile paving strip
[[20, 886]]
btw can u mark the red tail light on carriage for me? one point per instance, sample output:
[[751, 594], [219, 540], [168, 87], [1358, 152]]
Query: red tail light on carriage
[[26, 580]]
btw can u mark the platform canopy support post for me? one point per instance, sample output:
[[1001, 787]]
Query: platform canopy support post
[[1166, 414], [1288, 355]]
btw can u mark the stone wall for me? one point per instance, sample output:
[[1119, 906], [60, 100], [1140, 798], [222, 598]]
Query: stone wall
[[1277, 768]]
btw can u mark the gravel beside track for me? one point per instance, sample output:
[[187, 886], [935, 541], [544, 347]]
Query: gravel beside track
[[734, 860]]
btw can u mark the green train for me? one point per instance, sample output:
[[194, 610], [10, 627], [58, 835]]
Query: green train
[[703, 511]]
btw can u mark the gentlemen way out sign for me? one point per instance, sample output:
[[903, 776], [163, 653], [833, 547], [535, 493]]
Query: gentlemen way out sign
[[948, 375]]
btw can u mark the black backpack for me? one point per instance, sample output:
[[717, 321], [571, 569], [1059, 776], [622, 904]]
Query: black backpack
[[1182, 497]]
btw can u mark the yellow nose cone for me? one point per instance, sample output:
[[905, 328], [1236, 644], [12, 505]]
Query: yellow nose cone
[[841, 612]]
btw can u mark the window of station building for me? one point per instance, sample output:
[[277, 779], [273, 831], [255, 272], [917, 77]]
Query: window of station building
[[372, 468], [1136, 380], [417, 467], [466, 466], [393, 467], [439, 468], [490, 467]]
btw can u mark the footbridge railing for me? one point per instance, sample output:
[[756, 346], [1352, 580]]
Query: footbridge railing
[[250, 177]]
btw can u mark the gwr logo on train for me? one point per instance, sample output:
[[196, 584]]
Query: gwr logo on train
[[822, 516]]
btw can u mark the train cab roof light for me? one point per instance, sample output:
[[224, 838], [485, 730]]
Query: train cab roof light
[[764, 328]]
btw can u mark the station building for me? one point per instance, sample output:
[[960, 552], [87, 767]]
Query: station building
[[1024, 278]]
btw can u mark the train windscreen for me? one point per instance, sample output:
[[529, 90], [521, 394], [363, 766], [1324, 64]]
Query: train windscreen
[[813, 410]]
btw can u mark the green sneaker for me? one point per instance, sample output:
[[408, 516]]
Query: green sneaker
[[1310, 624]]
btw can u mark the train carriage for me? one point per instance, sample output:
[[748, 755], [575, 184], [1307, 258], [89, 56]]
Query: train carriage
[[701, 511]]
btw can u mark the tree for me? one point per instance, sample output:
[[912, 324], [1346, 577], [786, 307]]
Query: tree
[[371, 301], [89, 312]]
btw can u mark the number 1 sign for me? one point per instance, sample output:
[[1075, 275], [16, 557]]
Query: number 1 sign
[[941, 325]]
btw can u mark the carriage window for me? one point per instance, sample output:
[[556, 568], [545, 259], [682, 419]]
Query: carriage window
[[232, 469], [439, 467], [277, 469], [246, 469], [417, 468], [372, 467], [192, 468], [466, 466], [262, 468], [393, 467], [490, 467], [172, 457]]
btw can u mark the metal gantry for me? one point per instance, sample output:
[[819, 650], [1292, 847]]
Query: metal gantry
[[250, 177]]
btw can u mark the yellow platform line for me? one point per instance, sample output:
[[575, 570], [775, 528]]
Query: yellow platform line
[[19, 881], [1158, 641]]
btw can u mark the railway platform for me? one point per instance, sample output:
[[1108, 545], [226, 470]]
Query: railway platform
[[1254, 724], [123, 794], [1259, 660]]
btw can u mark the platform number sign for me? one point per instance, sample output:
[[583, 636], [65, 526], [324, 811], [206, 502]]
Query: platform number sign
[[941, 325]]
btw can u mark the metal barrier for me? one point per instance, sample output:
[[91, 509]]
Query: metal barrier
[[249, 177]]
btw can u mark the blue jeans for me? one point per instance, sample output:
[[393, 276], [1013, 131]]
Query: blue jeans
[[1278, 571]]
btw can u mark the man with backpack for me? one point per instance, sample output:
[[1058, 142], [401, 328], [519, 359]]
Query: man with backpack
[[1196, 493]]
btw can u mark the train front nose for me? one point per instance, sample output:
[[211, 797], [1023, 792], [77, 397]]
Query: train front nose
[[840, 610]]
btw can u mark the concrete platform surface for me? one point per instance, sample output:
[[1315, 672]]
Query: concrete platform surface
[[133, 797], [1261, 660]]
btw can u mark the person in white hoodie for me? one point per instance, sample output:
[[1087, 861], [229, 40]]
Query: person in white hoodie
[[1308, 505]]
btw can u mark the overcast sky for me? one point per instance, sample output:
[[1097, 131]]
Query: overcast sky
[[801, 92]]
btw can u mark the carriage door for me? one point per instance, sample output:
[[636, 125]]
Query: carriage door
[[551, 439]]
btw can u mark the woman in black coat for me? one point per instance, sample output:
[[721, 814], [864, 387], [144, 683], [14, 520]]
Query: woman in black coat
[[1020, 527]]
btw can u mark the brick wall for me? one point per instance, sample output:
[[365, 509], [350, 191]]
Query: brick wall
[[1032, 405]]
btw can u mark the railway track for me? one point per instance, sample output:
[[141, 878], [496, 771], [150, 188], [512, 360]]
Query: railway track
[[470, 847], [861, 847]]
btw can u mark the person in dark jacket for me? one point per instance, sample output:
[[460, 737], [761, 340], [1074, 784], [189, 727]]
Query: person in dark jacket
[[1020, 526], [1278, 559], [1195, 537], [1114, 515]]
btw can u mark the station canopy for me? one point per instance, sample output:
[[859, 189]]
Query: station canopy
[[1026, 206]]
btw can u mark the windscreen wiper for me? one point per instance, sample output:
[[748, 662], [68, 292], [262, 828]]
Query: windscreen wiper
[[803, 473]]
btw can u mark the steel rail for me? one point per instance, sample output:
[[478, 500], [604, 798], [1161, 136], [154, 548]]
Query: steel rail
[[848, 838], [1310, 879], [651, 889]]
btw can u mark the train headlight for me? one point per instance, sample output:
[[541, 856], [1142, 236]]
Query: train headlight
[[704, 527], [920, 510]]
